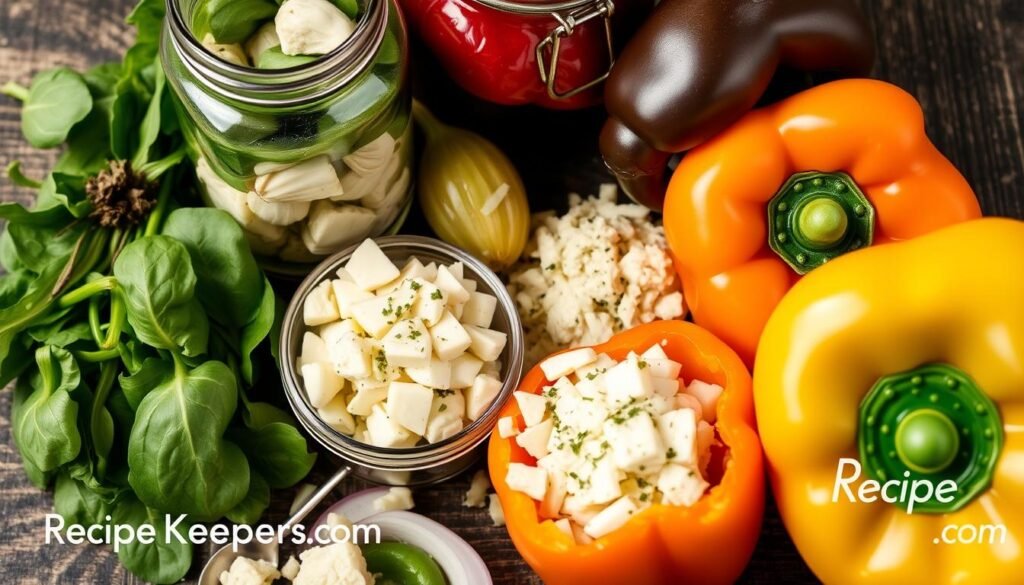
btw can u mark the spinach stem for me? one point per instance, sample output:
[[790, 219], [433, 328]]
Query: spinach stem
[[95, 357], [15, 90], [86, 291], [18, 178], [156, 217], [94, 320], [180, 368], [117, 317]]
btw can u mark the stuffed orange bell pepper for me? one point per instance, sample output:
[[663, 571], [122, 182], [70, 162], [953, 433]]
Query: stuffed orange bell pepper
[[890, 400], [789, 187], [709, 542]]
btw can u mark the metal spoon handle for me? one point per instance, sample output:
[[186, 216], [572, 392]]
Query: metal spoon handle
[[317, 496]]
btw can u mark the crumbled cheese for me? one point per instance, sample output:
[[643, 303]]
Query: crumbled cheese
[[601, 268], [610, 438], [495, 510], [341, 563], [290, 570], [397, 498], [476, 495], [246, 571]]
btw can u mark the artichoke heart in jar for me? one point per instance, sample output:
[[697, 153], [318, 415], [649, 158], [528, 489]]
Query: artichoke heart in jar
[[297, 117]]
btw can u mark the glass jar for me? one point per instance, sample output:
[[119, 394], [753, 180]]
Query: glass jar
[[553, 53], [308, 159], [422, 464]]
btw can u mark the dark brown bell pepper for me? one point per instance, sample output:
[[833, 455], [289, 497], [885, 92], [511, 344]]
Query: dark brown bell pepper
[[696, 66]]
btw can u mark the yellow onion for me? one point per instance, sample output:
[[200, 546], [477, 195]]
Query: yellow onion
[[471, 194]]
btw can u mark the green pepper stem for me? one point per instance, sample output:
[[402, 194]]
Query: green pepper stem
[[87, 291], [15, 90]]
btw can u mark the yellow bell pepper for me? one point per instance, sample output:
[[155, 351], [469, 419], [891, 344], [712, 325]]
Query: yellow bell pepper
[[905, 363]]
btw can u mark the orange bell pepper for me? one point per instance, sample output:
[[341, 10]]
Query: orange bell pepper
[[710, 542], [835, 168]]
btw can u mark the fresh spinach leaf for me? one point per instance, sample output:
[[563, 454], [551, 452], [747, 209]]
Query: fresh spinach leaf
[[267, 321], [277, 451], [61, 333], [22, 390], [15, 317], [178, 457], [149, 129], [274, 58], [46, 431], [349, 7], [234, 21], [229, 282], [57, 100], [156, 276], [256, 501], [167, 558], [153, 373], [77, 504]]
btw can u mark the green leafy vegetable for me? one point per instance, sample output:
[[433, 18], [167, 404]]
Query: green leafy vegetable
[[167, 558], [256, 501], [177, 454], [57, 100], [234, 21], [159, 286], [45, 428]]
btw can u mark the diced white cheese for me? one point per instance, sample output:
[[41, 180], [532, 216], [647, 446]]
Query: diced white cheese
[[407, 344], [603, 485], [567, 362], [457, 270], [382, 431], [705, 439], [535, 439], [446, 414], [662, 368], [486, 344], [449, 338], [551, 505], [350, 356], [636, 444], [430, 304], [611, 518], [434, 374], [600, 365], [579, 509], [688, 401], [532, 481], [409, 405], [534, 407], [321, 383], [365, 397], [507, 427], [319, 306], [481, 395], [679, 432], [495, 511], [680, 485], [708, 395], [665, 387], [479, 309], [413, 270], [656, 351], [335, 330], [627, 381], [321, 563], [336, 415], [370, 267], [313, 349], [451, 285], [378, 314], [347, 294], [464, 370], [397, 498], [476, 496]]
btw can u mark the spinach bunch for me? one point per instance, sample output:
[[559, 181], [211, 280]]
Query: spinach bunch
[[131, 323]]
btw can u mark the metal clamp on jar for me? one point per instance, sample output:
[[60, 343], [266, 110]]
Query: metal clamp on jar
[[550, 53], [309, 154]]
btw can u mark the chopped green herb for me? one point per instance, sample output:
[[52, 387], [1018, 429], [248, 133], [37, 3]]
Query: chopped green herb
[[436, 295]]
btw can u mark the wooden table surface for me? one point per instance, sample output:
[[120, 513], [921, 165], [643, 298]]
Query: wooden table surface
[[964, 60]]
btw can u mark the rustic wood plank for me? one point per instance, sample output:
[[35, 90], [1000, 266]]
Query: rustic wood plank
[[963, 60]]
